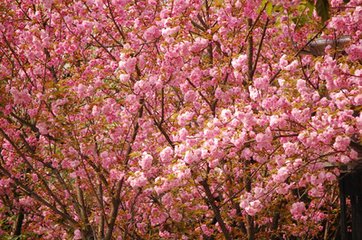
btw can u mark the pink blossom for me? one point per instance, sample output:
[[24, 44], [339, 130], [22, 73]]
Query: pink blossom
[[281, 175], [146, 161], [190, 157], [297, 209], [175, 215], [206, 230], [138, 180], [225, 115], [47, 3], [290, 148], [164, 234], [20, 97], [317, 191], [247, 153], [355, 51], [129, 64], [245, 200], [239, 62], [283, 189], [157, 217], [214, 163], [336, 3], [116, 175], [190, 96], [341, 143], [254, 94], [34, 177], [183, 133], [166, 154], [253, 208], [196, 75], [301, 115], [77, 234], [292, 67], [264, 139], [258, 192], [199, 44], [261, 83], [42, 127], [319, 216], [167, 32], [124, 78], [151, 33], [358, 99], [344, 159], [185, 118], [283, 62], [26, 202]]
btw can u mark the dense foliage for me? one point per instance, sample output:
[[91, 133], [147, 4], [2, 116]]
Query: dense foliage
[[176, 119]]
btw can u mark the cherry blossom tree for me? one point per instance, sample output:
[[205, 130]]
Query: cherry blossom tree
[[179, 119]]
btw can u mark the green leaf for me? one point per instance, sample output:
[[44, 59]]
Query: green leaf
[[310, 6], [346, 1], [300, 21], [322, 7], [262, 4], [135, 154], [269, 8]]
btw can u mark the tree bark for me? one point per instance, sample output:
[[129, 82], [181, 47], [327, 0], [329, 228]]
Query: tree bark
[[216, 210], [18, 224]]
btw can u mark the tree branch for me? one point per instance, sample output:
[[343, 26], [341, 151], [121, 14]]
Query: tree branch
[[216, 210]]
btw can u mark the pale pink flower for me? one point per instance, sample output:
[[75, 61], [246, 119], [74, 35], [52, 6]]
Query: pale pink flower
[[151, 33], [254, 207], [166, 155], [283, 62], [297, 209], [138, 180], [341, 143], [190, 96], [239, 62], [281, 175], [77, 234], [190, 157], [146, 161], [116, 175], [42, 127], [183, 133]]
